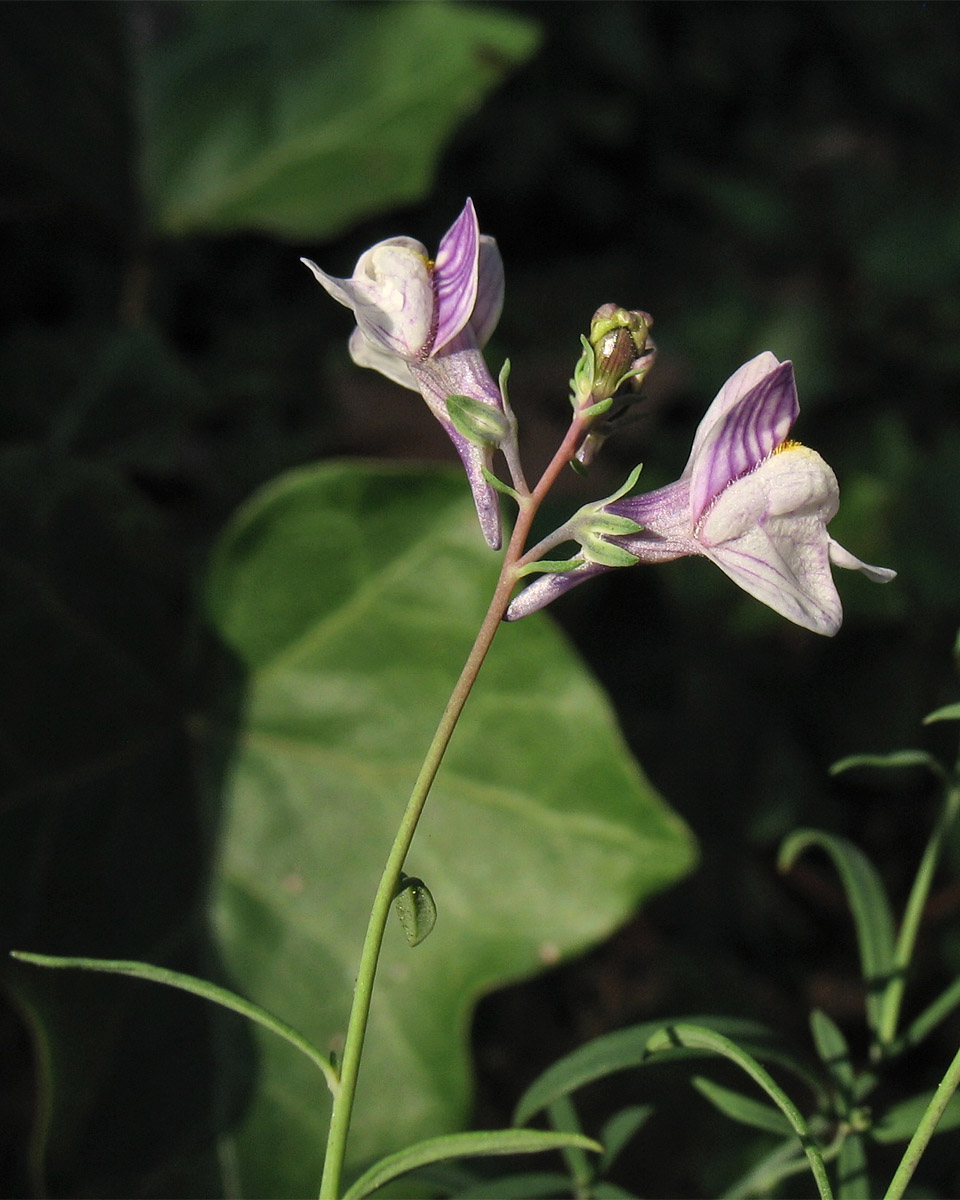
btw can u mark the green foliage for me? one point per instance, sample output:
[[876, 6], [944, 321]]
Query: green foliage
[[899, 1123], [868, 903], [628, 1048], [196, 987], [350, 595], [463, 1145], [342, 112]]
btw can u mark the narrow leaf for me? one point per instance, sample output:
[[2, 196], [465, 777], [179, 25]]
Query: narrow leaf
[[619, 1130], [197, 987], [853, 1181], [744, 1109], [834, 1054], [625, 1049], [899, 1123], [931, 1017], [707, 1039], [532, 1187], [898, 759], [563, 1117], [868, 903], [949, 712], [461, 1145]]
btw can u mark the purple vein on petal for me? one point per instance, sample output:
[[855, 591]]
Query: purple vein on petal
[[751, 430], [455, 277]]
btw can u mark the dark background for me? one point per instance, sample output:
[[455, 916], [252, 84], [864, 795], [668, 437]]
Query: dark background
[[756, 176]]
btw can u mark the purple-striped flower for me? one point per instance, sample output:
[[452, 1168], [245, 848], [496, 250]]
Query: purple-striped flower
[[422, 323], [753, 502]]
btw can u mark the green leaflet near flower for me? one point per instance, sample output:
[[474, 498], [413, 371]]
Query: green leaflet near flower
[[754, 503], [423, 324]]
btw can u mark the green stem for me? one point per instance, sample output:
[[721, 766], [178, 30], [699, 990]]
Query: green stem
[[380, 913], [913, 914], [925, 1130]]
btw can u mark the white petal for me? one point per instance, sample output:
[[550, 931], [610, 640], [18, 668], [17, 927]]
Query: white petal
[[767, 531], [391, 294], [369, 354], [787, 567], [843, 558], [394, 296], [795, 481]]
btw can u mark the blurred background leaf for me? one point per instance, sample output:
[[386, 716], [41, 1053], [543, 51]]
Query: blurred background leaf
[[301, 119], [540, 837]]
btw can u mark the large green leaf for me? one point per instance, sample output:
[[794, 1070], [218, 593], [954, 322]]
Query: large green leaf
[[351, 594], [342, 112]]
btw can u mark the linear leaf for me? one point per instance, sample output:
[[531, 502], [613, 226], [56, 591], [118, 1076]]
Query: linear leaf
[[619, 1130], [196, 987], [745, 1109], [625, 1049], [834, 1053], [701, 1038], [868, 903], [462, 1145], [899, 1123]]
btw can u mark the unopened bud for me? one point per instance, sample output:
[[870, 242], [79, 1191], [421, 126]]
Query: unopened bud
[[621, 348]]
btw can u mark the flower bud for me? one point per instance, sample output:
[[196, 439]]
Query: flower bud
[[622, 351]]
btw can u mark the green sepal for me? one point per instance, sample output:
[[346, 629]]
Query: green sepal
[[949, 712], [605, 554], [581, 385], [554, 566], [502, 384], [596, 410], [416, 909], [500, 486], [629, 484], [479, 423], [898, 759], [613, 525]]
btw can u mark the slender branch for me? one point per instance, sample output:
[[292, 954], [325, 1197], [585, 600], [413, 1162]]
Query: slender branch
[[386, 890], [913, 913], [925, 1130]]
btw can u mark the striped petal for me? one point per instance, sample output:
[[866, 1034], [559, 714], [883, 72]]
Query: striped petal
[[744, 425], [455, 278]]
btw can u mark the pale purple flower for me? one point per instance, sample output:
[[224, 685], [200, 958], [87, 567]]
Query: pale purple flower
[[423, 323], [754, 503]]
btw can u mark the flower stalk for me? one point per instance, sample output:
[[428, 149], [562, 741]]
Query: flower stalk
[[529, 502]]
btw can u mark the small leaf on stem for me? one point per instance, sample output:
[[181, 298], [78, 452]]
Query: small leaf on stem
[[416, 909]]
